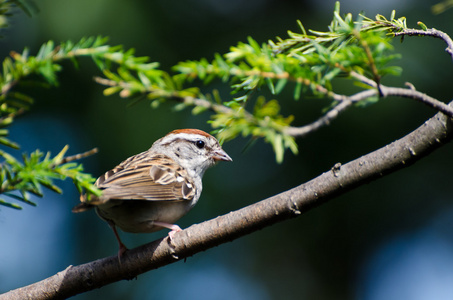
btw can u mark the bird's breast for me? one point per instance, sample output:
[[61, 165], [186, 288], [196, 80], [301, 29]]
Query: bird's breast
[[138, 216]]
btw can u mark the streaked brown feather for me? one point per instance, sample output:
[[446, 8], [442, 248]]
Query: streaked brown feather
[[145, 177]]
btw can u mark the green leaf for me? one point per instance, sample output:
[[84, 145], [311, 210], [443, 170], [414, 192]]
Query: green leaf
[[9, 143], [281, 83], [179, 107], [112, 90], [48, 184], [422, 25], [9, 204], [198, 110], [6, 121], [59, 157], [270, 85], [331, 74], [278, 148], [297, 90], [22, 198]]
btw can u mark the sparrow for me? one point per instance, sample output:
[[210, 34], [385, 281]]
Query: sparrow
[[152, 190]]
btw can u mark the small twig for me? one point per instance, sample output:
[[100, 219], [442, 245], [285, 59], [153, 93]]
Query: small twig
[[371, 62], [321, 122], [326, 119], [410, 86], [79, 156], [429, 32], [218, 108], [411, 92], [8, 86], [108, 82], [346, 101], [363, 79], [419, 96]]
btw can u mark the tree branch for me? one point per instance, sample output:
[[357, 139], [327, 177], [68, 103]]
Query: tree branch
[[343, 102], [384, 91], [187, 100], [199, 237], [79, 156], [419, 96], [322, 121], [429, 32]]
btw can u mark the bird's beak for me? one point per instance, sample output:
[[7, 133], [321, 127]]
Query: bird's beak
[[221, 155]]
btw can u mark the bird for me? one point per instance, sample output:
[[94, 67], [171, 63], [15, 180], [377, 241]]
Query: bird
[[152, 190]]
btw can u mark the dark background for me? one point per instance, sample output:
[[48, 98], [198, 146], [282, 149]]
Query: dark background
[[390, 239]]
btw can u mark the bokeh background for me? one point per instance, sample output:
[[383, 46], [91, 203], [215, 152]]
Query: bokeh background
[[390, 239]]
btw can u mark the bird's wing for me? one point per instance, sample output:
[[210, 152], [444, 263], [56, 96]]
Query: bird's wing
[[145, 177]]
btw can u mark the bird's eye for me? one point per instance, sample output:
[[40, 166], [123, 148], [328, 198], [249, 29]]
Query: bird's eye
[[200, 144]]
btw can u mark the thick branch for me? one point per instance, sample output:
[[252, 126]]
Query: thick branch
[[199, 237]]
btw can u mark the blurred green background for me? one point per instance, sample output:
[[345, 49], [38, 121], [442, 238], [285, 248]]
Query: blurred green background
[[390, 239]]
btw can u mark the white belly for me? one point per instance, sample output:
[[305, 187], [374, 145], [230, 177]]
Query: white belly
[[139, 215]]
